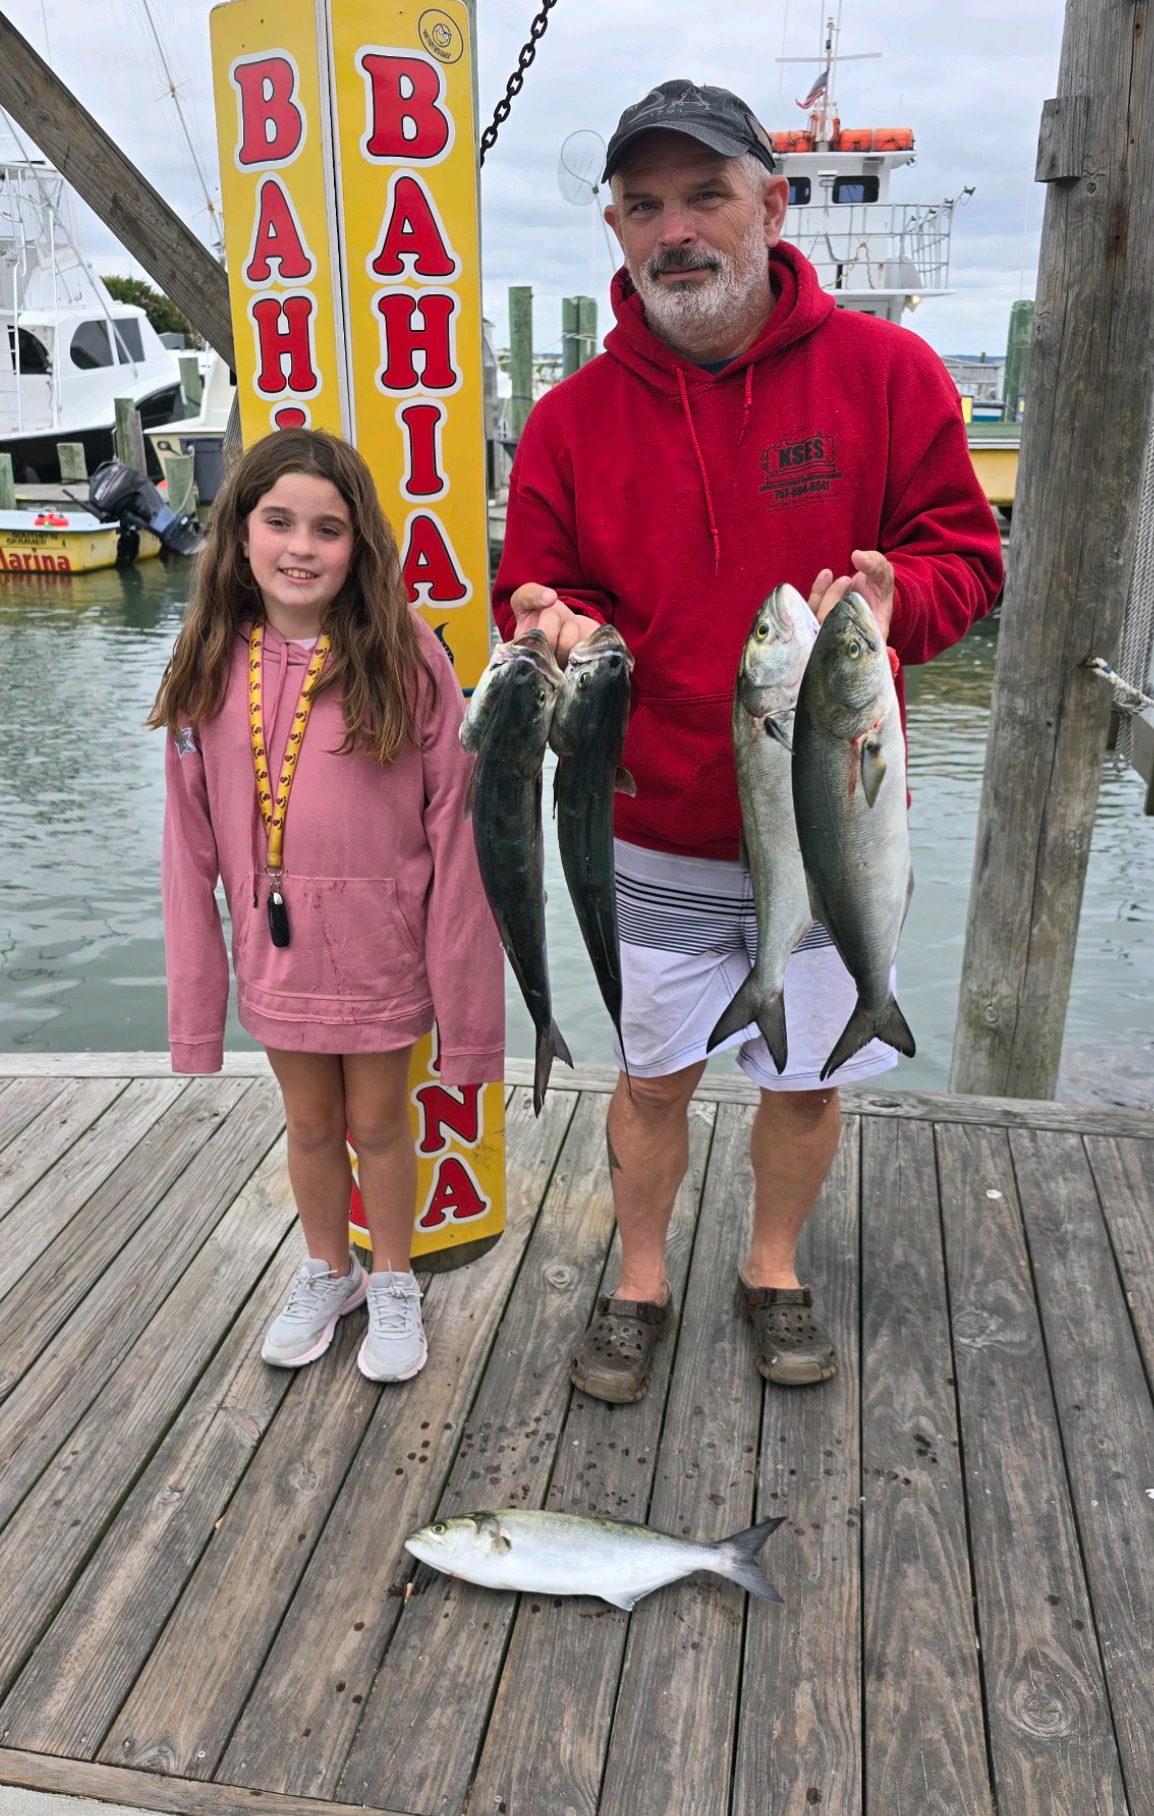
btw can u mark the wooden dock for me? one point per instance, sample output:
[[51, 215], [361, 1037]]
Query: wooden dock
[[206, 1603]]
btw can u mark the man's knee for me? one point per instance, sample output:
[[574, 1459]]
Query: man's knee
[[655, 1099], [801, 1109]]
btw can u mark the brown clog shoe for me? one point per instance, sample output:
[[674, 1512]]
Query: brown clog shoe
[[614, 1359], [789, 1345]]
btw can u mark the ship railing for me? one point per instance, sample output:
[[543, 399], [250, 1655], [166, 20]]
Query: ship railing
[[878, 245]]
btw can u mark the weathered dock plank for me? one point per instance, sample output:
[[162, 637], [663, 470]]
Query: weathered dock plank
[[67, 1697], [1103, 1399], [22, 1099], [42, 1141], [1124, 1175], [925, 1748], [297, 1728], [799, 1723], [423, 1722], [1051, 1738], [181, 1797], [672, 1741], [549, 1729]]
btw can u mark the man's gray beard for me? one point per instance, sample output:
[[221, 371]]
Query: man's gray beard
[[697, 311]]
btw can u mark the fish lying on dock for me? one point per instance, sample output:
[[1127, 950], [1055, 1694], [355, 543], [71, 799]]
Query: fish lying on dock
[[565, 1554], [772, 664], [588, 735], [849, 792], [507, 728]]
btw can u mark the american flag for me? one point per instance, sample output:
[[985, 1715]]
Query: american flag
[[817, 90]]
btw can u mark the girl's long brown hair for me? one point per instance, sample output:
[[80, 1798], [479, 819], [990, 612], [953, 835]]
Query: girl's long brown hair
[[376, 658]]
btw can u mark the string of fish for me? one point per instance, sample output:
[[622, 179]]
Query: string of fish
[[274, 808]]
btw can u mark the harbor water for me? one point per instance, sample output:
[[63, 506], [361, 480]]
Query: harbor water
[[81, 804]]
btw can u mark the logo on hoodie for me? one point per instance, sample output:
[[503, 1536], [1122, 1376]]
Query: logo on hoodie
[[803, 467]]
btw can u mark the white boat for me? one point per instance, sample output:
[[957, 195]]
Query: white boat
[[69, 350], [201, 435]]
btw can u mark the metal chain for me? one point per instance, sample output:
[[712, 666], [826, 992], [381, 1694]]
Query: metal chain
[[516, 81]]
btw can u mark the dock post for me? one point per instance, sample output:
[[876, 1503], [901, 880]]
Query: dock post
[[129, 434], [570, 345], [1017, 359], [1072, 544], [520, 355], [180, 472], [191, 382], [73, 464], [7, 484], [587, 327]]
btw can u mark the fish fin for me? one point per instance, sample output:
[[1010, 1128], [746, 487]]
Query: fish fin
[[771, 1022], [781, 729], [740, 1014], [888, 1024], [873, 771], [742, 849], [737, 1559], [471, 793], [490, 1534], [550, 1046], [750, 1008], [628, 1602], [623, 782]]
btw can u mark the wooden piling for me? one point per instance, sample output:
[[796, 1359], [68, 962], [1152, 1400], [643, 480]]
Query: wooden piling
[[520, 355], [587, 327], [1071, 549], [570, 344], [7, 484], [179, 470], [191, 381], [73, 462], [129, 435]]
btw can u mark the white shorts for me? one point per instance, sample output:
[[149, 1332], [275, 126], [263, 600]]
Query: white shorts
[[688, 937]]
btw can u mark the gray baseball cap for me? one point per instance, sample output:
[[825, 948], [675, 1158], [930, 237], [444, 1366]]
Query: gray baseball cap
[[718, 118]]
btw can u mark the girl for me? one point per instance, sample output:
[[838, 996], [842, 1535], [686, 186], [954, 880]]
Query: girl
[[314, 765]]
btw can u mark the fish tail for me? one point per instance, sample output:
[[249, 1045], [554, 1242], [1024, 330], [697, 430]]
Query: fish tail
[[750, 1006], [550, 1046], [887, 1023], [737, 1559]]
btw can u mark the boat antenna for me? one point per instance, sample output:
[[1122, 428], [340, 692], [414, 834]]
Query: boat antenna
[[216, 217], [821, 96]]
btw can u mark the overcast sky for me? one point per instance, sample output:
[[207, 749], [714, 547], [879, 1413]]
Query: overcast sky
[[970, 77]]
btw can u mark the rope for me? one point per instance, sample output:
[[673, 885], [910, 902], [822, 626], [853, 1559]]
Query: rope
[[516, 81]]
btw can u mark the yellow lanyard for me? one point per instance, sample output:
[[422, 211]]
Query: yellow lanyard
[[274, 809]]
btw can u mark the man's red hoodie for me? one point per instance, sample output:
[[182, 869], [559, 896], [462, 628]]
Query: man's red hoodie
[[670, 502]]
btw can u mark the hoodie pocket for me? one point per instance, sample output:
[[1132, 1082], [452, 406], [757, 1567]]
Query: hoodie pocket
[[680, 754], [349, 944]]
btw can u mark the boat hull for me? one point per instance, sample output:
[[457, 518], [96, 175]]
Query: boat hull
[[49, 549]]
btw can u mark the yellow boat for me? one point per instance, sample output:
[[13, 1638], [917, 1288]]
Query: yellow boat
[[994, 451], [68, 542]]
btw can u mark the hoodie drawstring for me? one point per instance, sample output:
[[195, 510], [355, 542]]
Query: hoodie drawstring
[[713, 529], [748, 403]]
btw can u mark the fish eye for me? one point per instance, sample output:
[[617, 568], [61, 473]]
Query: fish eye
[[439, 1528], [762, 631], [853, 648]]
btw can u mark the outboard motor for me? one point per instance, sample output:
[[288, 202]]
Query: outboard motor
[[117, 493]]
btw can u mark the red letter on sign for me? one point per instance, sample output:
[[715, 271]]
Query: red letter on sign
[[428, 565], [442, 1107], [401, 338], [421, 425], [455, 1196], [284, 337], [405, 120], [277, 239], [272, 123], [412, 230]]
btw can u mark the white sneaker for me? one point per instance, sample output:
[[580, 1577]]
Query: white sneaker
[[395, 1348], [319, 1299]]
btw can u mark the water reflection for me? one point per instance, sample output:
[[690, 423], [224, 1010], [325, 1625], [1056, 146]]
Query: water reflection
[[81, 803]]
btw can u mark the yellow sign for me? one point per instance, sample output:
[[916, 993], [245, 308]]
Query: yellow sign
[[349, 182]]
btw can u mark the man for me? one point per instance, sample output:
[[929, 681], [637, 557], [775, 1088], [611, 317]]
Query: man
[[739, 432]]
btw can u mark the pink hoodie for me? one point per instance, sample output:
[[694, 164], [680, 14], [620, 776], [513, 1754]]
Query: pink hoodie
[[388, 920]]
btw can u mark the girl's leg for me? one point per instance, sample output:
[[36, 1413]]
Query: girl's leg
[[376, 1098], [314, 1098]]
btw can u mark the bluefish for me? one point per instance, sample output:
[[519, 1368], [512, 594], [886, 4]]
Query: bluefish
[[566, 1554]]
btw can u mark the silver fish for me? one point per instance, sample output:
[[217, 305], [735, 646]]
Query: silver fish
[[588, 734], [768, 678], [849, 792], [507, 728], [565, 1554]]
